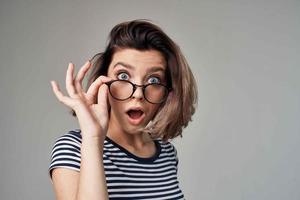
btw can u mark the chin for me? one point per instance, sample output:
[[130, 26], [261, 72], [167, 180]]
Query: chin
[[134, 129]]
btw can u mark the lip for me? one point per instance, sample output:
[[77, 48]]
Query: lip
[[136, 121]]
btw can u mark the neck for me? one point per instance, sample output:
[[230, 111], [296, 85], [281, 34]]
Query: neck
[[136, 140]]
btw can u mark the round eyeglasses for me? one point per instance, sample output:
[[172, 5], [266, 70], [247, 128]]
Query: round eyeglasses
[[154, 93]]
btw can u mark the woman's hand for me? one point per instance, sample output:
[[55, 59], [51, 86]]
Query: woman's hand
[[92, 117]]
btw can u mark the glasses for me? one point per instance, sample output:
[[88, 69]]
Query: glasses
[[122, 90]]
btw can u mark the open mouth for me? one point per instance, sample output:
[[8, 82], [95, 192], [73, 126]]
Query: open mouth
[[135, 116]]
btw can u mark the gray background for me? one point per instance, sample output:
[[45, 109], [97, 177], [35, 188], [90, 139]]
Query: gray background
[[243, 142]]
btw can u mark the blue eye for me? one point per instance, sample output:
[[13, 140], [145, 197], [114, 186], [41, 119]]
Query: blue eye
[[154, 80], [123, 76]]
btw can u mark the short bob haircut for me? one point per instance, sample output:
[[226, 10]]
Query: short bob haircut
[[175, 113]]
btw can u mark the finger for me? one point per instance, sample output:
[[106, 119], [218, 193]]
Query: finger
[[80, 76], [102, 96], [59, 95], [94, 87], [69, 80], [104, 105]]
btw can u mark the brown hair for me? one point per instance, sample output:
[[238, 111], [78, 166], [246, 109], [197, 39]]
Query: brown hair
[[176, 112]]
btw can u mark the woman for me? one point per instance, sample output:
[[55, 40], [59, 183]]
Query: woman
[[140, 94]]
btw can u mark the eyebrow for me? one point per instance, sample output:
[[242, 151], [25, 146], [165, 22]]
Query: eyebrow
[[152, 69]]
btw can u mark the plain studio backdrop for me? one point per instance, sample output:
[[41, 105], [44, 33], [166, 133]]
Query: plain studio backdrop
[[243, 142]]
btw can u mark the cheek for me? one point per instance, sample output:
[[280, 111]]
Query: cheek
[[114, 106]]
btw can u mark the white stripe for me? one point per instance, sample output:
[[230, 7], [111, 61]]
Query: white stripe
[[166, 146], [65, 145], [140, 189], [166, 154], [115, 153], [68, 142], [66, 151], [66, 156], [141, 174], [143, 194], [165, 159], [143, 184], [141, 179], [111, 149], [71, 137], [147, 170]]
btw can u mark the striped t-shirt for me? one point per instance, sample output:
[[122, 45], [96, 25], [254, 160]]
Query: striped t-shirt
[[127, 176]]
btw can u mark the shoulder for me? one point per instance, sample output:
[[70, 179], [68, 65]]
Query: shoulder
[[167, 146], [72, 135], [66, 151], [169, 150], [68, 141]]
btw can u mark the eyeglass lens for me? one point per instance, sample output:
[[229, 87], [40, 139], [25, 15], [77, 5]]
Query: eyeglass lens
[[123, 90]]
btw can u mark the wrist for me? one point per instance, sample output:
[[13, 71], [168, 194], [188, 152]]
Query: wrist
[[93, 139], [92, 145], [93, 133]]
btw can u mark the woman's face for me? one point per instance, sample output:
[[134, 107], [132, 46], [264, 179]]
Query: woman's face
[[139, 67]]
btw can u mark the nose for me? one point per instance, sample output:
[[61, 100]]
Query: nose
[[138, 92]]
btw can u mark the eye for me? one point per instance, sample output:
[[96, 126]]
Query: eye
[[123, 76], [154, 80]]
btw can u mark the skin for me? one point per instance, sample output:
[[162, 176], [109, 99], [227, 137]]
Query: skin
[[139, 67], [96, 122]]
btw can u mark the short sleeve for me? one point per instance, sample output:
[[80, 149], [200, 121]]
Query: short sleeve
[[66, 152]]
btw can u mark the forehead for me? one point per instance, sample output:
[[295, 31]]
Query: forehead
[[138, 59]]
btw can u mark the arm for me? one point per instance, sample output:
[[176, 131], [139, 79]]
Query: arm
[[84, 184], [90, 182]]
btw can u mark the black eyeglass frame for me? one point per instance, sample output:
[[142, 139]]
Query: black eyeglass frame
[[135, 86]]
